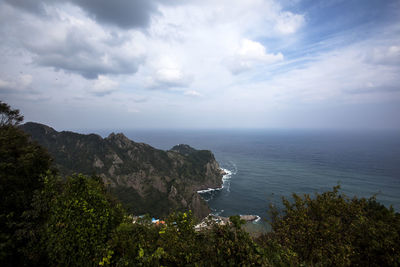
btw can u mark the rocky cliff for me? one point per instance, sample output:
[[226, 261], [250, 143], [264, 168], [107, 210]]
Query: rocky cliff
[[145, 179]]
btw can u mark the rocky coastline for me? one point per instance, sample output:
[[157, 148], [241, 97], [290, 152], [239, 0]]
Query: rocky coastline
[[145, 179]]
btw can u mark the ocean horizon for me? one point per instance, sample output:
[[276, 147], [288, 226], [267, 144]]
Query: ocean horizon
[[265, 165]]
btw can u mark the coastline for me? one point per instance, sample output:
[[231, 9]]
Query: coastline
[[226, 175]]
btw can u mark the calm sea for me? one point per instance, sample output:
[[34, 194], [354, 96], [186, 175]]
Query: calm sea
[[266, 165]]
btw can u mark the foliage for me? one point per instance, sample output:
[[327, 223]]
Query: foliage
[[81, 220], [176, 243], [8, 116], [277, 254], [22, 163], [376, 238], [155, 202], [230, 245], [36, 218], [333, 230]]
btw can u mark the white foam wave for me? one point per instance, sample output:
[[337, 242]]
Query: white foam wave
[[226, 183], [208, 193], [208, 190], [235, 169]]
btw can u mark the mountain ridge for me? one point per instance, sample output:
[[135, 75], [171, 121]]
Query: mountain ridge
[[145, 179]]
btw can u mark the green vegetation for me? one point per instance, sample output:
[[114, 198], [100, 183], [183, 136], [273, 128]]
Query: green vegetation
[[80, 222], [333, 230], [46, 220], [22, 162], [9, 116]]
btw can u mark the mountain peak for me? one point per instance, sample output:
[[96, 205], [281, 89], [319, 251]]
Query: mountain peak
[[184, 149], [120, 136], [34, 126]]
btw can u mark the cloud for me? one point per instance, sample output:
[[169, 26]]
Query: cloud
[[192, 93], [289, 23], [125, 14], [26, 80], [76, 44], [167, 72], [104, 86], [342, 76], [35, 7], [6, 86], [22, 84], [385, 55], [168, 78], [250, 54], [20, 87], [172, 77]]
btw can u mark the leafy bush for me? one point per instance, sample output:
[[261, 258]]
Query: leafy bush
[[80, 222], [333, 230]]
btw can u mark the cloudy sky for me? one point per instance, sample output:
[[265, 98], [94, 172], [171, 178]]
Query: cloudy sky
[[101, 64]]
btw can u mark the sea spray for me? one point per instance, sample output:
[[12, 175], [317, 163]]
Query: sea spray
[[209, 193]]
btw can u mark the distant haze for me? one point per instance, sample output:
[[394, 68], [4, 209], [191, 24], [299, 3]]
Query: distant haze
[[75, 64]]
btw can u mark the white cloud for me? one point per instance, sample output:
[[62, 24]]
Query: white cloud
[[103, 86], [289, 23], [26, 80], [166, 72], [193, 93], [6, 84], [386, 55], [339, 76], [21, 84], [250, 54]]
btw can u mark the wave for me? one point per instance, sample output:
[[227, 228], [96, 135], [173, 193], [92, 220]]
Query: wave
[[209, 190], [209, 193], [256, 220], [235, 169], [226, 179], [225, 183]]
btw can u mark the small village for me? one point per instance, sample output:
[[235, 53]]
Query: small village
[[206, 223]]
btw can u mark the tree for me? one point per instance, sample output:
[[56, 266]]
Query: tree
[[230, 245], [334, 230], [22, 163], [36, 219], [9, 116], [81, 220]]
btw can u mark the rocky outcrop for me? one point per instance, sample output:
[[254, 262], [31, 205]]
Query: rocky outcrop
[[145, 179]]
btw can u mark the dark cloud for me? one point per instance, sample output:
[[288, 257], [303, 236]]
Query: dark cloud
[[76, 49], [36, 7], [80, 54], [88, 68], [125, 14]]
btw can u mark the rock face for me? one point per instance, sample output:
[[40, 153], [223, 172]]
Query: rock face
[[145, 179]]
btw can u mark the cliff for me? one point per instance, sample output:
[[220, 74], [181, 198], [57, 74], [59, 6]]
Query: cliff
[[145, 179]]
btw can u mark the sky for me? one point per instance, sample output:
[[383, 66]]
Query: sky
[[127, 64]]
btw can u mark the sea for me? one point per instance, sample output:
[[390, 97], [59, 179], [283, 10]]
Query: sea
[[264, 166]]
